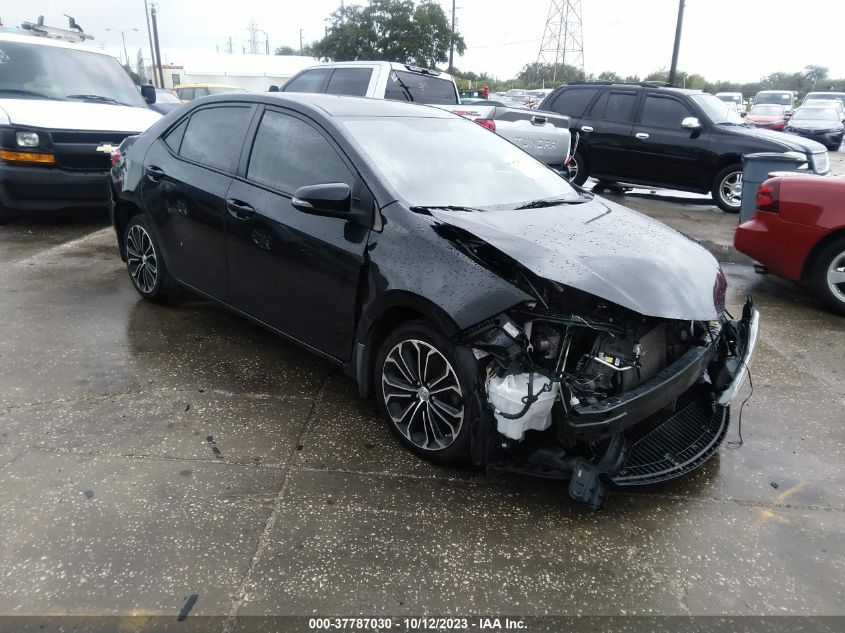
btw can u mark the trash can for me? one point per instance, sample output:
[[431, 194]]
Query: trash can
[[755, 171]]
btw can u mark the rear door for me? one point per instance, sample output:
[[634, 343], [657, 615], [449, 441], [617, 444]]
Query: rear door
[[606, 128], [187, 176], [662, 151], [296, 272]]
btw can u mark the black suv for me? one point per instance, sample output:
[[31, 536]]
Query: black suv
[[661, 136]]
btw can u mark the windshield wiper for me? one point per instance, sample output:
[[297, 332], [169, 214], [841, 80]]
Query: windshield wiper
[[405, 88], [26, 93], [444, 207], [99, 98], [553, 202]]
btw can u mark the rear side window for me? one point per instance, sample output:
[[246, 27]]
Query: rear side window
[[215, 136], [174, 136], [663, 112], [186, 94], [573, 101], [419, 88], [349, 81], [309, 81], [620, 106], [288, 153]]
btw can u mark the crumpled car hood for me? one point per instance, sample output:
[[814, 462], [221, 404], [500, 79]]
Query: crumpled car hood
[[606, 250]]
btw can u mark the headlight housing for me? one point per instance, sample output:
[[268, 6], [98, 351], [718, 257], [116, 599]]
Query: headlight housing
[[27, 139]]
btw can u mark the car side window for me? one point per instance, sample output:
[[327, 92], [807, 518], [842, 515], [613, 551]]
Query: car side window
[[289, 153], [574, 101], [215, 136], [174, 136], [664, 112], [308, 81], [620, 106], [349, 81], [186, 94], [597, 111]]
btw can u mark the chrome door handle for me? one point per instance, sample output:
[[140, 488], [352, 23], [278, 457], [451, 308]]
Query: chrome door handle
[[153, 173], [641, 135], [586, 128], [239, 210]]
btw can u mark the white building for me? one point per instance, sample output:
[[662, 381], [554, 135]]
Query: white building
[[252, 72]]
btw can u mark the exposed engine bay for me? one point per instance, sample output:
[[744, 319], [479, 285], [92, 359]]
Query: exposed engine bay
[[581, 388]]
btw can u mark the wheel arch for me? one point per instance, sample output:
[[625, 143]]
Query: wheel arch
[[396, 308], [818, 247], [123, 212], [726, 160]]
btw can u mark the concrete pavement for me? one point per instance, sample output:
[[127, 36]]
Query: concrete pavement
[[149, 453]]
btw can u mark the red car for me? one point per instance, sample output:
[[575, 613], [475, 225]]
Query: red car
[[768, 116], [798, 232]]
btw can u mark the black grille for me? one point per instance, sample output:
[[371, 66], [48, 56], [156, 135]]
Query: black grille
[[97, 138], [670, 443], [95, 161]]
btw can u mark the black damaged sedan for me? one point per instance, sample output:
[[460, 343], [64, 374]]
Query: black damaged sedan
[[498, 314]]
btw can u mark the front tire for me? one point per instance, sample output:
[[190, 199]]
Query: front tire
[[146, 267], [425, 391], [828, 276], [727, 188]]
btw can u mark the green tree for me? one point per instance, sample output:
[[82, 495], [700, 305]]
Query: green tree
[[389, 30], [536, 75], [285, 50], [135, 77]]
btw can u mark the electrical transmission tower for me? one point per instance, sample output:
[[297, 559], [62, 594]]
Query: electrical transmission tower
[[563, 38], [253, 37]]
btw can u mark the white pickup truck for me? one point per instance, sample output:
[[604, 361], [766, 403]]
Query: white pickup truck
[[544, 135]]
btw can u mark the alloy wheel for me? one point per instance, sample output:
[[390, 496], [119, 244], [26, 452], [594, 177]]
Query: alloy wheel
[[730, 189], [572, 166], [422, 395], [836, 276], [141, 259]]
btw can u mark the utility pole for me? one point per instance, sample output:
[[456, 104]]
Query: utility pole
[[230, 44], [300, 41], [155, 43], [123, 38], [674, 68], [452, 42], [266, 42], [150, 39]]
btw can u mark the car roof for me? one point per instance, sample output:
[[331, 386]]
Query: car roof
[[205, 86], [391, 65], [645, 84], [24, 38], [334, 105]]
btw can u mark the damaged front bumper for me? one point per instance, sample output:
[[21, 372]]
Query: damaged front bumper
[[664, 428]]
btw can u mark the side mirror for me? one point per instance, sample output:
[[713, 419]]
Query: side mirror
[[333, 199], [148, 91], [273, 88], [691, 123], [743, 114]]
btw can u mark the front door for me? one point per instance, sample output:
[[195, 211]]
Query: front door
[[296, 272], [665, 153]]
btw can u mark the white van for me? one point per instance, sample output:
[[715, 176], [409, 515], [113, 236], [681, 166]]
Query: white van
[[63, 107]]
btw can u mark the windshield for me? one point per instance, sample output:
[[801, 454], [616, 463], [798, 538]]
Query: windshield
[[729, 98], [783, 98], [453, 162], [824, 96], [767, 110], [717, 111], [58, 73], [220, 90], [815, 114], [419, 88]]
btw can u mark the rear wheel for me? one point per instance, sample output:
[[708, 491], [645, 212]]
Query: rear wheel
[[146, 267], [578, 168], [425, 391], [727, 188], [828, 276]]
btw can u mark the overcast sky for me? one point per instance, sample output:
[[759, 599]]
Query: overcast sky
[[740, 40]]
